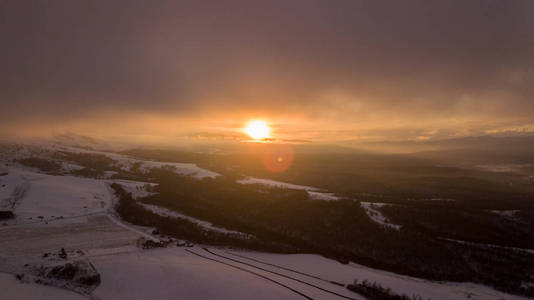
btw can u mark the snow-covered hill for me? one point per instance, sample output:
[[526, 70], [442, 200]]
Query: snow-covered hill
[[54, 212]]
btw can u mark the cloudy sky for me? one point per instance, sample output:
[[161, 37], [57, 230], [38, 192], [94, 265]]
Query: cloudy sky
[[315, 70]]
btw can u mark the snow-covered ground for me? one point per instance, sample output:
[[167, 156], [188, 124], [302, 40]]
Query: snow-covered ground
[[331, 270], [177, 274], [124, 162], [14, 290], [276, 184], [138, 189], [162, 211], [39, 197], [323, 196], [505, 213], [313, 192], [89, 230], [127, 162], [372, 210]]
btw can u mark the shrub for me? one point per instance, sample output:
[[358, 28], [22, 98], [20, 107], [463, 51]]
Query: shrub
[[374, 291]]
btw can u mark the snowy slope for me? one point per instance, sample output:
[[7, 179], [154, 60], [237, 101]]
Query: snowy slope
[[46, 197], [372, 210], [276, 184], [196, 273], [332, 270], [13, 290], [177, 274], [313, 192], [136, 188], [127, 162], [162, 211], [10, 153]]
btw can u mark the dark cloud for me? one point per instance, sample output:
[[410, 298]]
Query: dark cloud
[[376, 61]]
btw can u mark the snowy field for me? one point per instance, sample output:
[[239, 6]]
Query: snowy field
[[13, 290], [178, 274], [334, 271], [36, 197], [77, 215]]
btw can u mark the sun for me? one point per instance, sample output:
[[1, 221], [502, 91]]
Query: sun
[[257, 129]]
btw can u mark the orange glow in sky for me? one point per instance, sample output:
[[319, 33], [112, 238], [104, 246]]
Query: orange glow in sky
[[257, 129]]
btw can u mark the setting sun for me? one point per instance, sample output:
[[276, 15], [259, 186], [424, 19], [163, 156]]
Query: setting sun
[[257, 129]]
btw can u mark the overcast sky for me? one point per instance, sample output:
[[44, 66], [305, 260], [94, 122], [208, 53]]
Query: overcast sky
[[314, 69]]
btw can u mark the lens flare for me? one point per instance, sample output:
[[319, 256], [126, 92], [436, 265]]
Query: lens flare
[[278, 158]]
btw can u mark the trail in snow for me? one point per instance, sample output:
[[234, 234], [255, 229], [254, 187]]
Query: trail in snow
[[251, 272], [287, 269], [279, 274]]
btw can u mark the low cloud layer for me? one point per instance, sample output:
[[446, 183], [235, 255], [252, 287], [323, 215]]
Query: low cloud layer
[[395, 69]]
